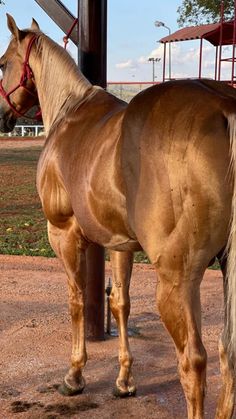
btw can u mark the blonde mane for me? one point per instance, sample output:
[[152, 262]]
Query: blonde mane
[[60, 84]]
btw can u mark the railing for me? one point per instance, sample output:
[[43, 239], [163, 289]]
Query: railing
[[27, 131], [124, 90], [127, 90]]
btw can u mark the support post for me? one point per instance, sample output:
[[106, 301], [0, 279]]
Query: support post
[[93, 40], [221, 38], [216, 62], [95, 292], [92, 62], [233, 46], [200, 61], [164, 63]]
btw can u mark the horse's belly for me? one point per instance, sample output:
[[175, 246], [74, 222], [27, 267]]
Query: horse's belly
[[129, 245], [110, 231]]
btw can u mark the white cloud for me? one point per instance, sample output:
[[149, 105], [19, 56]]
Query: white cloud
[[184, 62], [126, 64], [142, 60]]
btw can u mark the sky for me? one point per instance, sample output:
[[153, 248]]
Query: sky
[[132, 38]]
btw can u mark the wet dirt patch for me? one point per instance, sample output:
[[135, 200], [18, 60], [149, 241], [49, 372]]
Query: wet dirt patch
[[9, 393], [20, 406], [67, 410]]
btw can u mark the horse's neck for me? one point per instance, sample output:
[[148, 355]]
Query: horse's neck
[[60, 85]]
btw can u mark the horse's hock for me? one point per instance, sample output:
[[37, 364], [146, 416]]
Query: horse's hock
[[35, 347]]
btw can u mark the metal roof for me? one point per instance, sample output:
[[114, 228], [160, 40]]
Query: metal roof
[[210, 32]]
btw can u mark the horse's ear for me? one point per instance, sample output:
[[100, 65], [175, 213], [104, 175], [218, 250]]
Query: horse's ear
[[35, 25], [12, 26]]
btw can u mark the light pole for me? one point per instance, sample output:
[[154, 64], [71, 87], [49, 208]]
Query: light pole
[[153, 61], [158, 24]]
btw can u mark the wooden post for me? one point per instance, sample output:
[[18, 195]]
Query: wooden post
[[92, 62]]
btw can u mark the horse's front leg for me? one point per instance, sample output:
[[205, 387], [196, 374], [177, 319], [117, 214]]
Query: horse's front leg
[[122, 263], [70, 248]]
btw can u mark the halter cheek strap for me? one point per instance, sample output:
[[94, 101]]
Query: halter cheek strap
[[26, 75]]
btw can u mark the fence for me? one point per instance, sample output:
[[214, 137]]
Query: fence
[[127, 90], [124, 90], [27, 131]]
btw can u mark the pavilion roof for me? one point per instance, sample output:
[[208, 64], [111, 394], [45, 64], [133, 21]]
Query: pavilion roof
[[210, 32]]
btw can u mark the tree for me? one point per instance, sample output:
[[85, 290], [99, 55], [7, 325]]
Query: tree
[[195, 12]]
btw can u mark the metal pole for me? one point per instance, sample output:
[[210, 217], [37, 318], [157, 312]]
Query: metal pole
[[92, 61], [108, 292], [221, 38], [234, 35], [164, 63], [200, 60], [216, 62], [95, 292], [93, 40]]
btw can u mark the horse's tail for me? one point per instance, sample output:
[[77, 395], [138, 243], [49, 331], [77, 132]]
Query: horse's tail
[[230, 309]]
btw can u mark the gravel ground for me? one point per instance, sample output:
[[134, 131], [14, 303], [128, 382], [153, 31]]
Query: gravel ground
[[35, 348]]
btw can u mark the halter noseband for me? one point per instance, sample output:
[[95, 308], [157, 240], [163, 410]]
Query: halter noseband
[[26, 75]]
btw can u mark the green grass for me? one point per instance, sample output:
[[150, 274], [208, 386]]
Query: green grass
[[23, 229]]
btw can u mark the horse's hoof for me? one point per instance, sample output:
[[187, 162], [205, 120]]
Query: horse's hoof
[[67, 390], [131, 392]]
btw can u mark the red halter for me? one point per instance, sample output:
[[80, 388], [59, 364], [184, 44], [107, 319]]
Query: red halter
[[26, 75]]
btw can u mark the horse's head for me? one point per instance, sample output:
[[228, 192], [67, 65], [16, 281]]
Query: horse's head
[[17, 88]]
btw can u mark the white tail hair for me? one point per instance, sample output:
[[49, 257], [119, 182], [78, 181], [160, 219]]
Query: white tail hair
[[231, 250]]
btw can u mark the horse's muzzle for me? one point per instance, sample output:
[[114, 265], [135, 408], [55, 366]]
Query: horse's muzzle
[[7, 121]]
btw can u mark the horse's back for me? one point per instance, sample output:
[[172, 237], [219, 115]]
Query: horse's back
[[175, 160]]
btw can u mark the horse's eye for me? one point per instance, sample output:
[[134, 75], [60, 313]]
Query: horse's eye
[[2, 66]]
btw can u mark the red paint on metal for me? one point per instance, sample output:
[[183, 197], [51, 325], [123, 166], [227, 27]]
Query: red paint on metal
[[209, 32]]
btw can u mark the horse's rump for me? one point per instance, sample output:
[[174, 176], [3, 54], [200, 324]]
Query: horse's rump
[[175, 159]]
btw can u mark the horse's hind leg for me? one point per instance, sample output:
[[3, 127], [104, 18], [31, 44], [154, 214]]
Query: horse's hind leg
[[70, 248], [122, 263], [178, 297], [225, 404]]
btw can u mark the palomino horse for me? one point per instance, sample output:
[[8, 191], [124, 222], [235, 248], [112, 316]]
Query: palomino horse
[[153, 174]]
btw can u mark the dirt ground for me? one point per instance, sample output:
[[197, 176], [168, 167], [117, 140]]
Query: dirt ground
[[35, 348], [35, 344], [21, 142]]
